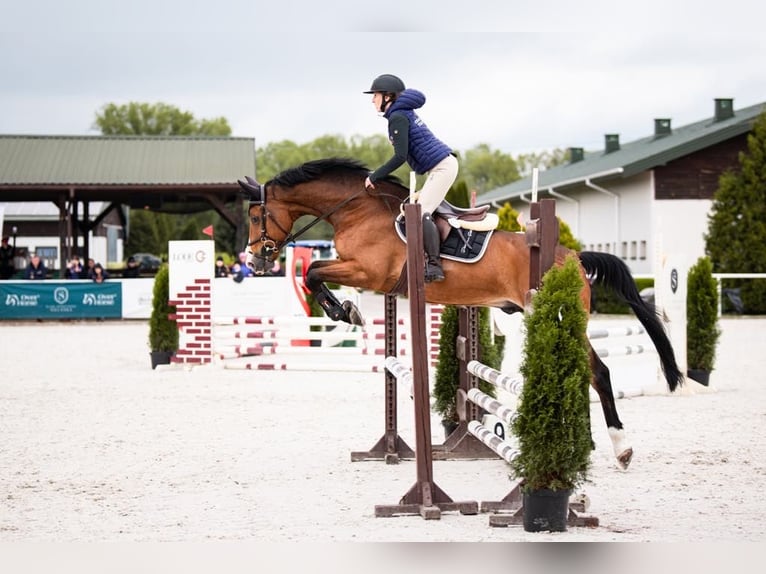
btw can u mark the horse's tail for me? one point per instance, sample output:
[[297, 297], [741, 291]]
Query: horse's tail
[[610, 271]]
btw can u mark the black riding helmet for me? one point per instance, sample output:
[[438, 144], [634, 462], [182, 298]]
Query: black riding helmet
[[388, 85]]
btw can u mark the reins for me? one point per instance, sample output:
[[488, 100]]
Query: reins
[[323, 217]]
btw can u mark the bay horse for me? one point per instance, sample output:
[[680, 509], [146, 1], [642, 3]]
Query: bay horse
[[372, 256]]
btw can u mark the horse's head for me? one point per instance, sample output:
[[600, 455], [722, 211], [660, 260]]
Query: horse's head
[[267, 231]]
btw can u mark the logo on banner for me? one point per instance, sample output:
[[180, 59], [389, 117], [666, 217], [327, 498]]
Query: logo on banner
[[674, 280], [198, 256], [15, 300], [61, 295], [99, 299]]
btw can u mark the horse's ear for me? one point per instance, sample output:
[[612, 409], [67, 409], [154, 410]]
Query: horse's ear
[[251, 187]]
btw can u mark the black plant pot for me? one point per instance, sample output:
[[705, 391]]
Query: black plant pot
[[449, 427], [546, 510], [160, 358], [700, 375]]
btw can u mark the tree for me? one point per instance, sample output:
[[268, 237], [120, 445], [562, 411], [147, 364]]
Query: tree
[[552, 423], [736, 237], [509, 221], [702, 329], [541, 160], [485, 169], [150, 231], [158, 119], [458, 194]]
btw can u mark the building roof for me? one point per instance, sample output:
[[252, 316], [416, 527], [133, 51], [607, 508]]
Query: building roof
[[138, 160], [636, 156], [42, 210]]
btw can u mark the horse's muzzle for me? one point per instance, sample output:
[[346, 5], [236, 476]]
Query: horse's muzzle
[[260, 264]]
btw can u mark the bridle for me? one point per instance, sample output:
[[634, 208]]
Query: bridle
[[256, 194]]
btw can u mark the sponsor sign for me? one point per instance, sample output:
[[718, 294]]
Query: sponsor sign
[[64, 300]]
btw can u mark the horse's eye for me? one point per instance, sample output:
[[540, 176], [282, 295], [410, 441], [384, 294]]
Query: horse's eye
[[255, 219]]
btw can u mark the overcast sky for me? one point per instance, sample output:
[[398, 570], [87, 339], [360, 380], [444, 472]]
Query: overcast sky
[[538, 76]]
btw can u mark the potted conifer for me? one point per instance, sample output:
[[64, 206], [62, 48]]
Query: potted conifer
[[163, 332], [702, 330], [553, 425]]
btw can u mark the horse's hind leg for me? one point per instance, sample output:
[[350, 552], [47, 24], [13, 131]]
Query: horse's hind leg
[[603, 385]]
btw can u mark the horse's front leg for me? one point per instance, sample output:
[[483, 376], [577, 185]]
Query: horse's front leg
[[334, 309], [603, 385]]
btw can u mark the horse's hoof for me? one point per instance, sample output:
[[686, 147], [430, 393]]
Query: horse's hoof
[[624, 458], [353, 314]]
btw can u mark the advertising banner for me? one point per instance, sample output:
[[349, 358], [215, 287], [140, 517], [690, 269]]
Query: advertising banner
[[60, 300]]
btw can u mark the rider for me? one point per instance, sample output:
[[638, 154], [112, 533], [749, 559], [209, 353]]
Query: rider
[[414, 143]]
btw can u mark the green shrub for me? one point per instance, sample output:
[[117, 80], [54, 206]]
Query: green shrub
[[447, 376], [702, 330], [163, 331], [553, 422]]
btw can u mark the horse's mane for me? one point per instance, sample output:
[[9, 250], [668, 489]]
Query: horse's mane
[[321, 168]]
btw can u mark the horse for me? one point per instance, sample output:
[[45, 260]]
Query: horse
[[371, 255]]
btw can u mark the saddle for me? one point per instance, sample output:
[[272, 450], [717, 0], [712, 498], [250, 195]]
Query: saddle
[[464, 231], [473, 218]]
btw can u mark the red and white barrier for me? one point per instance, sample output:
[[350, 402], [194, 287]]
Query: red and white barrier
[[293, 343]]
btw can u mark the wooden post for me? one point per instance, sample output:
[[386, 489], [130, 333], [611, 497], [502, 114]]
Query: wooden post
[[542, 236], [425, 497]]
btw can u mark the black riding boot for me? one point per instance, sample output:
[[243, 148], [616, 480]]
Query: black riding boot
[[431, 243]]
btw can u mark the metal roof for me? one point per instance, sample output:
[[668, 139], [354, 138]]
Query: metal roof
[[124, 160], [633, 157]]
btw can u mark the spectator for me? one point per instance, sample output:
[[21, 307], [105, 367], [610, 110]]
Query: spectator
[[220, 268], [99, 274], [131, 271], [36, 268], [87, 273], [237, 273], [277, 270], [74, 270], [242, 267], [6, 260]]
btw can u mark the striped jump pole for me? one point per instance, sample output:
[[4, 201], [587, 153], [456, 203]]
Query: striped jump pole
[[508, 383], [333, 366], [244, 343], [626, 350], [618, 331], [503, 448], [402, 374]]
